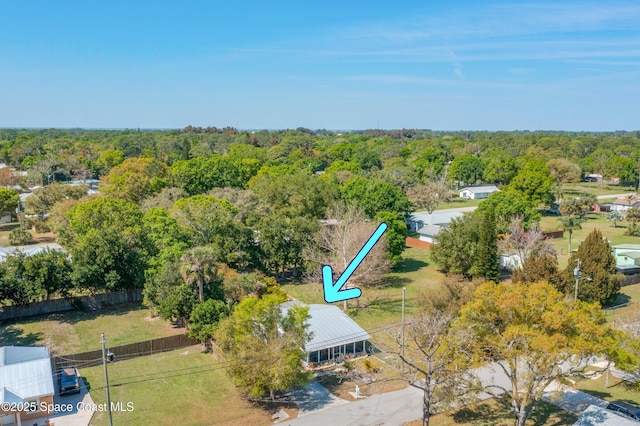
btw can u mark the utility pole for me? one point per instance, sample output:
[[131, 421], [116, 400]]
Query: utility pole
[[106, 377], [402, 345], [576, 273]]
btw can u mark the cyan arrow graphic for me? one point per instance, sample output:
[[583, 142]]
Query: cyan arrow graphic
[[333, 292]]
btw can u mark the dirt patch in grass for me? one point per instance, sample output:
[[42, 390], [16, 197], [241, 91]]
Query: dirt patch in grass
[[44, 238], [344, 388], [379, 377]]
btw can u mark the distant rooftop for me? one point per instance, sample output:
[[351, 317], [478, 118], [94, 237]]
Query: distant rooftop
[[627, 246], [480, 189], [435, 218]]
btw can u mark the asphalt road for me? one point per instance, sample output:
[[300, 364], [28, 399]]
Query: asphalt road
[[405, 405], [389, 409]]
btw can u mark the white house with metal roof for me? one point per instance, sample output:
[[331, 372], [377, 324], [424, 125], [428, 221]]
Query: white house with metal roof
[[25, 377], [334, 336], [478, 192], [427, 225], [27, 250]]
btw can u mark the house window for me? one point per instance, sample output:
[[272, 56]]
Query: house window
[[32, 405]]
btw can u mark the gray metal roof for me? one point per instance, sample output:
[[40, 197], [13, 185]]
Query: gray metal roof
[[429, 230], [435, 218], [631, 254], [627, 247], [25, 372], [480, 189], [329, 327]]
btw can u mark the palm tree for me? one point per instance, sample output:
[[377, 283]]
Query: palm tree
[[199, 266], [615, 216], [569, 223]]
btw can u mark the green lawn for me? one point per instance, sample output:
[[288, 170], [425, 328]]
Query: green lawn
[[617, 389], [383, 305], [182, 387], [79, 331], [595, 189], [491, 412], [458, 202], [379, 310], [6, 228], [594, 220]]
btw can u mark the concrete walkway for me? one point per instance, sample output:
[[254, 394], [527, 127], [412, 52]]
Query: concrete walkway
[[315, 397]]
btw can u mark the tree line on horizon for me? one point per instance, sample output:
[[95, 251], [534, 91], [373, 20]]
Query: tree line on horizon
[[206, 221]]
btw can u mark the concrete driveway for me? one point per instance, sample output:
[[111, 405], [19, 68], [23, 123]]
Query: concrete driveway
[[571, 399], [392, 408], [71, 410], [315, 397]]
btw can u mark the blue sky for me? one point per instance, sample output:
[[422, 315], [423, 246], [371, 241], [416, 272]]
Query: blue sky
[[443, 65]]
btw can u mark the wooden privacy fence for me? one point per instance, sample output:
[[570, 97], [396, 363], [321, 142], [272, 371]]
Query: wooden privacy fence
[[553, 234], [631, 279], [132, 350], [60, 305]]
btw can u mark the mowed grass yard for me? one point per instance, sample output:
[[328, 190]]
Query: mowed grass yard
[[181, 387], [6, 228], [595, 188], [379, 309], [594, 220], [382, 305], [79, 331], [617, 389]]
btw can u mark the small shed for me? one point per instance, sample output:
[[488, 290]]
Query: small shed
[[334, 335], [478, 192]]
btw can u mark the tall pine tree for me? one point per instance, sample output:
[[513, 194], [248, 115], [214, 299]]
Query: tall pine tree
[[598, 281], [486, 264]]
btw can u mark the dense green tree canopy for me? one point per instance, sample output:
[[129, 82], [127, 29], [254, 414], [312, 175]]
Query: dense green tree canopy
[[533, 183], [266, 345], [107, 244], [457, 245], [375, 197], [507, 205], [8, 200], [466, 168], [598, 280]]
